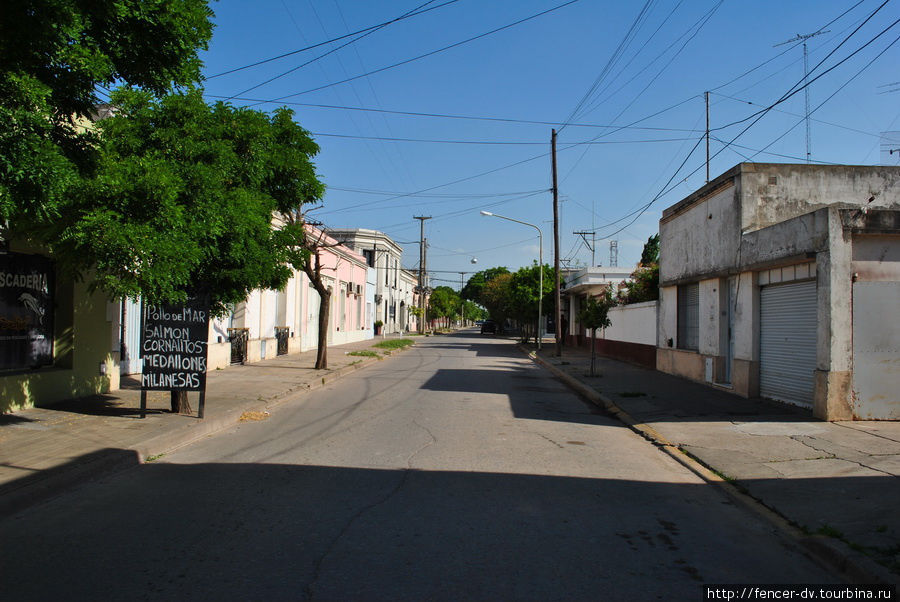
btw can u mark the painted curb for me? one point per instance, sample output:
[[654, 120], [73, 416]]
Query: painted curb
[[835, 555]]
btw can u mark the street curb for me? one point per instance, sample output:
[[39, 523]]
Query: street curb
[[103, 463], [835, 555]]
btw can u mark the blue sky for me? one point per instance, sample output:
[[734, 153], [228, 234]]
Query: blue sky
[[643, 64]]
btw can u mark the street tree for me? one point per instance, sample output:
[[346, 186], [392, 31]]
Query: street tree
[[189, 200], [443, 304], [54, 57], [523, 296], [595, 314], [476, 289]]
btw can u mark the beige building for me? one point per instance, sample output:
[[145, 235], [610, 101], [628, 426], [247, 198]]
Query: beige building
[[783, 281]]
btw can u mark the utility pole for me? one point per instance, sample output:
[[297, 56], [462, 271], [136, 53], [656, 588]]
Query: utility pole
[[421, 320], [706, 95], [803, 38], [558, 300]]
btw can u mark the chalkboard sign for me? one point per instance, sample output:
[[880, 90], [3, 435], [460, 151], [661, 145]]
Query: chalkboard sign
[[174, 347]]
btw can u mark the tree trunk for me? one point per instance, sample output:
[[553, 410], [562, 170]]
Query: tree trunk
[[180, 403], [593, 350], [322, 350]]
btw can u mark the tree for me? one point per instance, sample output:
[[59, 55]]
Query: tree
[[476, 290], [595, 314], [313, 244], [522, 297], [55, 55], [644, 284], [444, 303], [190, 200]]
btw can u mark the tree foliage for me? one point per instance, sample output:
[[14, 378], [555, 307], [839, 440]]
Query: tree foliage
[[182, 200], [444, 303], [644, 284], [53, 56], [514, 296]]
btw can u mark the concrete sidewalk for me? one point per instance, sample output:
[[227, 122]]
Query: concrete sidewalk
[[44, 450], [835, 482]]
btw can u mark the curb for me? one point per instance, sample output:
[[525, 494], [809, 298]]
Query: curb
[[53, 482], [837, 556]]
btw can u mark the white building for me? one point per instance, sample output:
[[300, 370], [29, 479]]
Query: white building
[[783, 281]]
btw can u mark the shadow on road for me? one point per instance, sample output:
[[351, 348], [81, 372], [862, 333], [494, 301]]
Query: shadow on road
[[262, 531]]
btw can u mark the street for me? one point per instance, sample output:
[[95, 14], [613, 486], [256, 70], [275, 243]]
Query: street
[[457, 470]]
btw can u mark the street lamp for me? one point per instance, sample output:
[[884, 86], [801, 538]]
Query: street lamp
[[540, 266]]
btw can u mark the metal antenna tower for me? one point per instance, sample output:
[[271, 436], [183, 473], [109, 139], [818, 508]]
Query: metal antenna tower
[[803, 38]]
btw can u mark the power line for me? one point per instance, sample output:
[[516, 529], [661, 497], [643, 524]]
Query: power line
[[495, 142], [323, 55], [450, 116], [427, 54], [332, 40]]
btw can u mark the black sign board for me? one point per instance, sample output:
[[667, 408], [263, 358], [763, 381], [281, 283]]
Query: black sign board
[[26, 311], [174, 346]]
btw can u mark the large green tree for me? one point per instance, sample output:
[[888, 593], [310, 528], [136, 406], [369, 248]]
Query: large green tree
[[183, 197], [444, 303], [54, 55], [523, 296], [190, 200], [477, 289]]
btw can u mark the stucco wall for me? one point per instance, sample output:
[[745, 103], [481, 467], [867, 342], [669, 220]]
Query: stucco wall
[[635, 323], [772, 193], [685, 237]]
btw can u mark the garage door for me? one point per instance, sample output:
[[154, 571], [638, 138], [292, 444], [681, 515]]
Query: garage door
[[787, 342]]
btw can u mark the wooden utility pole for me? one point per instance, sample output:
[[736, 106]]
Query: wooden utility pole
[[421, 320], [558, 312]]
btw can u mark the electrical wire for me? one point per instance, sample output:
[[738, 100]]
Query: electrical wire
[[324, 54], [427, 54], [332, 40], [450, 116]]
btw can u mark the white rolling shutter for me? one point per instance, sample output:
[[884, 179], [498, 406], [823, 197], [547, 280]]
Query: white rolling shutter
[[787, 342]]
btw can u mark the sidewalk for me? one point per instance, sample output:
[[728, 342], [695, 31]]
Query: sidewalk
[[834, 481], [44, 450]]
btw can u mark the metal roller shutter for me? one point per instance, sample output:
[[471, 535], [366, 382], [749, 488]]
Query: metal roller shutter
[[787, 342]]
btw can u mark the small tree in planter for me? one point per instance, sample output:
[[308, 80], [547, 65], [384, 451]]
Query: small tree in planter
[[378, 324], [594, 315]]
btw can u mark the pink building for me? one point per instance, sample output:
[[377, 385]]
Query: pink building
[[272, 323]]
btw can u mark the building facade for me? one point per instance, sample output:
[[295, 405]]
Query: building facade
[[395, 289], [773, 279]]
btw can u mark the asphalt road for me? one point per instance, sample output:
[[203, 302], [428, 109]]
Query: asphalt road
[[457, 470]]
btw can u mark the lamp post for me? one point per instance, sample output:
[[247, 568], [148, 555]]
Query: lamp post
[[540, 266]]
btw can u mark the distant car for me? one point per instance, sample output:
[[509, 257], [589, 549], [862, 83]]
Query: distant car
[[479, 322], [489, 326]]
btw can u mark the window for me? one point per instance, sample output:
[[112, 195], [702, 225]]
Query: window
[[369, 254], [689, 316]]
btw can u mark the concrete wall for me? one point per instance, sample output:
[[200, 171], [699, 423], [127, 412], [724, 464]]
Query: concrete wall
[[635, 323], [772, 193], [761, 224], [686, 235]]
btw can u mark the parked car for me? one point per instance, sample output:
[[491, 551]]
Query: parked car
[[489, 326]]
